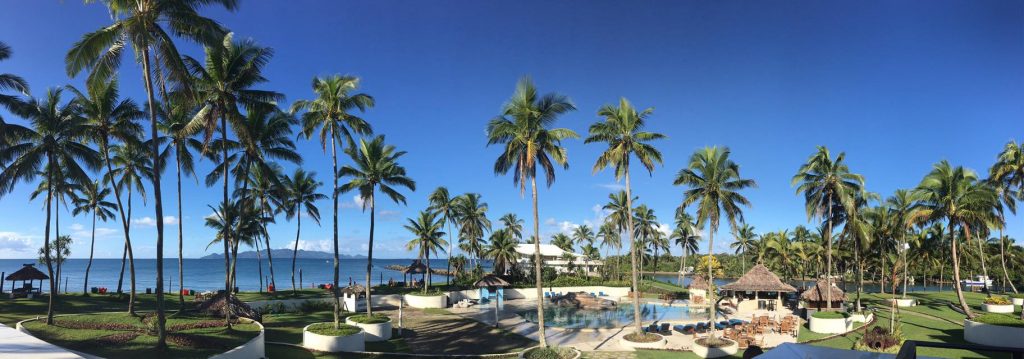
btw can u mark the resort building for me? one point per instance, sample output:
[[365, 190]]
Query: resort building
[[758, 289], [560, 260]]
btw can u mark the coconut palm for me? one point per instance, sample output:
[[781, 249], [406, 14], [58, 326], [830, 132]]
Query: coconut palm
[[444, 204], [60, 189], [174, 120], [646, 229], [240, 218], [713, 182], [828, 187], [264, 189], [471, 215], [428, 237], [686, 235], [955, 195], [584, 235], [619, 210], [901, 203], [622, 130], [376, 167], [744, 242], [523, 130], [1007, 178], [92, 199], [502, 250], [331, 111], [611, 239], [53, 141], [562, 241], [131, 166], [299, 195], [513, 224], [10, 82]]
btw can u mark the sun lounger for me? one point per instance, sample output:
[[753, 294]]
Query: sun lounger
[[719, 326], [602, 294], [664, 328]]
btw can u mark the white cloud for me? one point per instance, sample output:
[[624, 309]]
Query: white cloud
[[388, 215], [356, 202], [151, 222], [77, 227], [81, 232], [612, 186], [665, 229], [16, 245]]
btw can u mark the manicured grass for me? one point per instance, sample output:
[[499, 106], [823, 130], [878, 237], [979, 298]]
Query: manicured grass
[[915, 328], [329, 329], [430, 293], [365, 319], [830, 315], [665, 354], [285, 351], [1007, 320], [283, 294]]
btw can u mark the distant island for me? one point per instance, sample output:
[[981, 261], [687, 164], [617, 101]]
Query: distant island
[[286, 253]]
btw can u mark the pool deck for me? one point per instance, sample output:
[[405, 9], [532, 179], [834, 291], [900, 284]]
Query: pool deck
[[15, 344]]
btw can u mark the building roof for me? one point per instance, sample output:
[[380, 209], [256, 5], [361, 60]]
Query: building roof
[[491, 280], [27, 272], [698, 282], [818, 293], [759, 279], [546, 250]]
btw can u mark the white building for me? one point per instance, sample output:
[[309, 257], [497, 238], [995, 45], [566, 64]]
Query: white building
[[554, 257]]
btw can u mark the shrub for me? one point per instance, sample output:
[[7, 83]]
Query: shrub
[[429, 293], [997, 301], [830, 315], [273, 308], [364, 319], [310, 306], [642, 337], [878, 339], [549, 353], [1000, 319], [328, 329], [1016, 295]]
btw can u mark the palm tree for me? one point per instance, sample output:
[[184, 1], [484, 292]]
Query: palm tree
[[954, 194], [428, 237], [686, 235], [502, 250], [240, 218], [562, 241], [92, 199], [828, 187], [299, 195], [584, 235], [175, 118], [330, 112], [744, 243], [131, 165], [1007, 176], [714, 181], [459, 265], [620, 211], [610, 238], [901, 204], [471, 214], [264, 188], [511, 222], [142, 23], [529, 144], [10, 82], [622, 130], [444, 204], [53, 141], [376, 166], [646, 229]]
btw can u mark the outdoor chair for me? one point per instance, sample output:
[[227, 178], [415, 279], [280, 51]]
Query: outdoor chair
[[664, 329], [684, 329], [653, 328], [742, 342], [701, 327]]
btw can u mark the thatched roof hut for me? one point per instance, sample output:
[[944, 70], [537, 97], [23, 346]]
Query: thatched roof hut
[[27, 272], [491, 280], [818, 293], [356, 289], [417, 267], [759, 279], [698, 282]]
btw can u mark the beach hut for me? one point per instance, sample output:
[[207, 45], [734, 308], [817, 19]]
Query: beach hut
[[416, 267], [698, 289], [758, 289], [27, 274], [351, 295], [817, 297], [492, 286]]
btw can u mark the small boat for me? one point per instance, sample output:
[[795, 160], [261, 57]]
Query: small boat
[[979, 281]]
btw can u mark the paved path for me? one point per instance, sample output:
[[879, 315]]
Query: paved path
[[15, 344]]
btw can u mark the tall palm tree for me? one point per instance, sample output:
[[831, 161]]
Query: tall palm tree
[[513, 223], [686, 235], [1007, 177], [828, 187], [53, 141], [10, 82], [954, 194], [376, 166], [620, 211], [444, 204], [471, 214], [523, 130], [611, 239], [901, 203], [331, 111], [264, 188], [744, 243], [175, 117], [60, 189], [584, 235], [92, 199], [131, 166], [299, 195], [428, 237], [562, 241], [714, 181], [142, 23], [646, 229], [502, 250], [622, 130], [242, 219]]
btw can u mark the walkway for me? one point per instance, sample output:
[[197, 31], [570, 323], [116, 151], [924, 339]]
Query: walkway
[[15, 344]]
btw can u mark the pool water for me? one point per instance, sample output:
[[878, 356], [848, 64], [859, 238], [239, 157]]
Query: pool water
[[574, 318]]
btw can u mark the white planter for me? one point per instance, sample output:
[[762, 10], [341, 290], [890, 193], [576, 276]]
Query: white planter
[[997, 308], [1018, 301], [660, 344], [908, 302], [333, 344], [994, 335], [831, 326], [862, 318], [705, 352], [374, 332], [424, 302], [577, 354], [254, 348]]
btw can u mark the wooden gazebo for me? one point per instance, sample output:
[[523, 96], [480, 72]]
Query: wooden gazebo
[[817, 297], [759, 288], [698, 290], [416, 267], [27, 274]]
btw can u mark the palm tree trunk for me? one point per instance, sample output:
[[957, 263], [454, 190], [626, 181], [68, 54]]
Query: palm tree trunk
[[161, 342], [681, 257], [1002, 258], [56, 245], [334, 190], [225, 233], [860, 270], [295, 252], [906, 267], [711, 288], [447, 279], [270, 258], [259, 262], [882, 259], [427, 276], [181, 260], [956, 268], [124, 252], [92, 247], [632, 253], [828, 254], [984, 269], [120, 210], [538, 263], [369, 256], [46, 241]]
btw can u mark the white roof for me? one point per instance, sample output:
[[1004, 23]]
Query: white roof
[[546, 250]]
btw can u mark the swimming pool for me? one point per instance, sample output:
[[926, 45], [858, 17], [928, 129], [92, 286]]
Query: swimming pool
[[588, 318]]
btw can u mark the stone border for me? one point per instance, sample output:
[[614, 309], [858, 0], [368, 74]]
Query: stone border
[[997, 308], [376, 332], [426, 301], [706, 352], [994, 335], [660, 344], [333, 344]]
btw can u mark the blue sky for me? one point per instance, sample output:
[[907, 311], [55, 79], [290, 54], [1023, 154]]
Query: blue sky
[[896, 85]]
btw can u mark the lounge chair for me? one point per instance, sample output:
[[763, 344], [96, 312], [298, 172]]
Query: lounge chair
[[684, 329], [547, 294], [701, 327], [664, 328], [602, 294], [653, 328]]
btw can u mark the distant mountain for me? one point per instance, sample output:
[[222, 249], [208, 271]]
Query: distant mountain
[[286, 253]]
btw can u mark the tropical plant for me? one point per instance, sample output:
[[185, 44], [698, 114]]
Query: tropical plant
[[428, 237], [61, 188], [10, 132], [376, 167], [1007, 178], [620, 211], [92, 199], [686, 235], [528, 144], [471, 214], [444, 204], [713, 182], [745, 242], [502, 250], [562, 241], [611, 238], [584, 235], [131, 165], [299, 195]]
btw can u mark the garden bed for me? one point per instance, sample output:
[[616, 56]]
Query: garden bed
[[377, 327], [325, 338], [643, 341], [550, 353], [996, 330], [723, 348]]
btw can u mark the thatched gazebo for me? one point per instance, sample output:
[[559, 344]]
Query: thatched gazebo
[[416, 267], [492, 286], [698, 290], [817, 296], [27, 274], [759, 288]]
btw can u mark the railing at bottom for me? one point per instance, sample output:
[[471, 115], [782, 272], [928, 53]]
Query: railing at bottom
[[909, 349]]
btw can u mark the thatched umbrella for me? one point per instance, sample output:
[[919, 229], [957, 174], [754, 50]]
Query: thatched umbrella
[[698, 282], [759, 279], [491, 280], [28, 273], [356, 289], [416, 267], [817, 296]]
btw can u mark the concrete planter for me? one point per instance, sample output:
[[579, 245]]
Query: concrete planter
[[660, 344], [576, 352], [997, 308], [862, 318], [831, 326], [374, 332], [908, 302], [994, 335], [333, 344], [254, 348], [424, 302], [1018, 301], [706, 352]]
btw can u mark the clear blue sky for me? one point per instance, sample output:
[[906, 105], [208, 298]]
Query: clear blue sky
[[896, 85]]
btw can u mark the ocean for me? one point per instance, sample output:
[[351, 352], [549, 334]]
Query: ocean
[[208, 274]]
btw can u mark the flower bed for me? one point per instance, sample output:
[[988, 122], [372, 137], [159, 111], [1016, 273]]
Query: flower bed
[[644, 341], [997, 305], [325, 338], [550, 353], [996, 330], [723, 348], [377, 328]]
